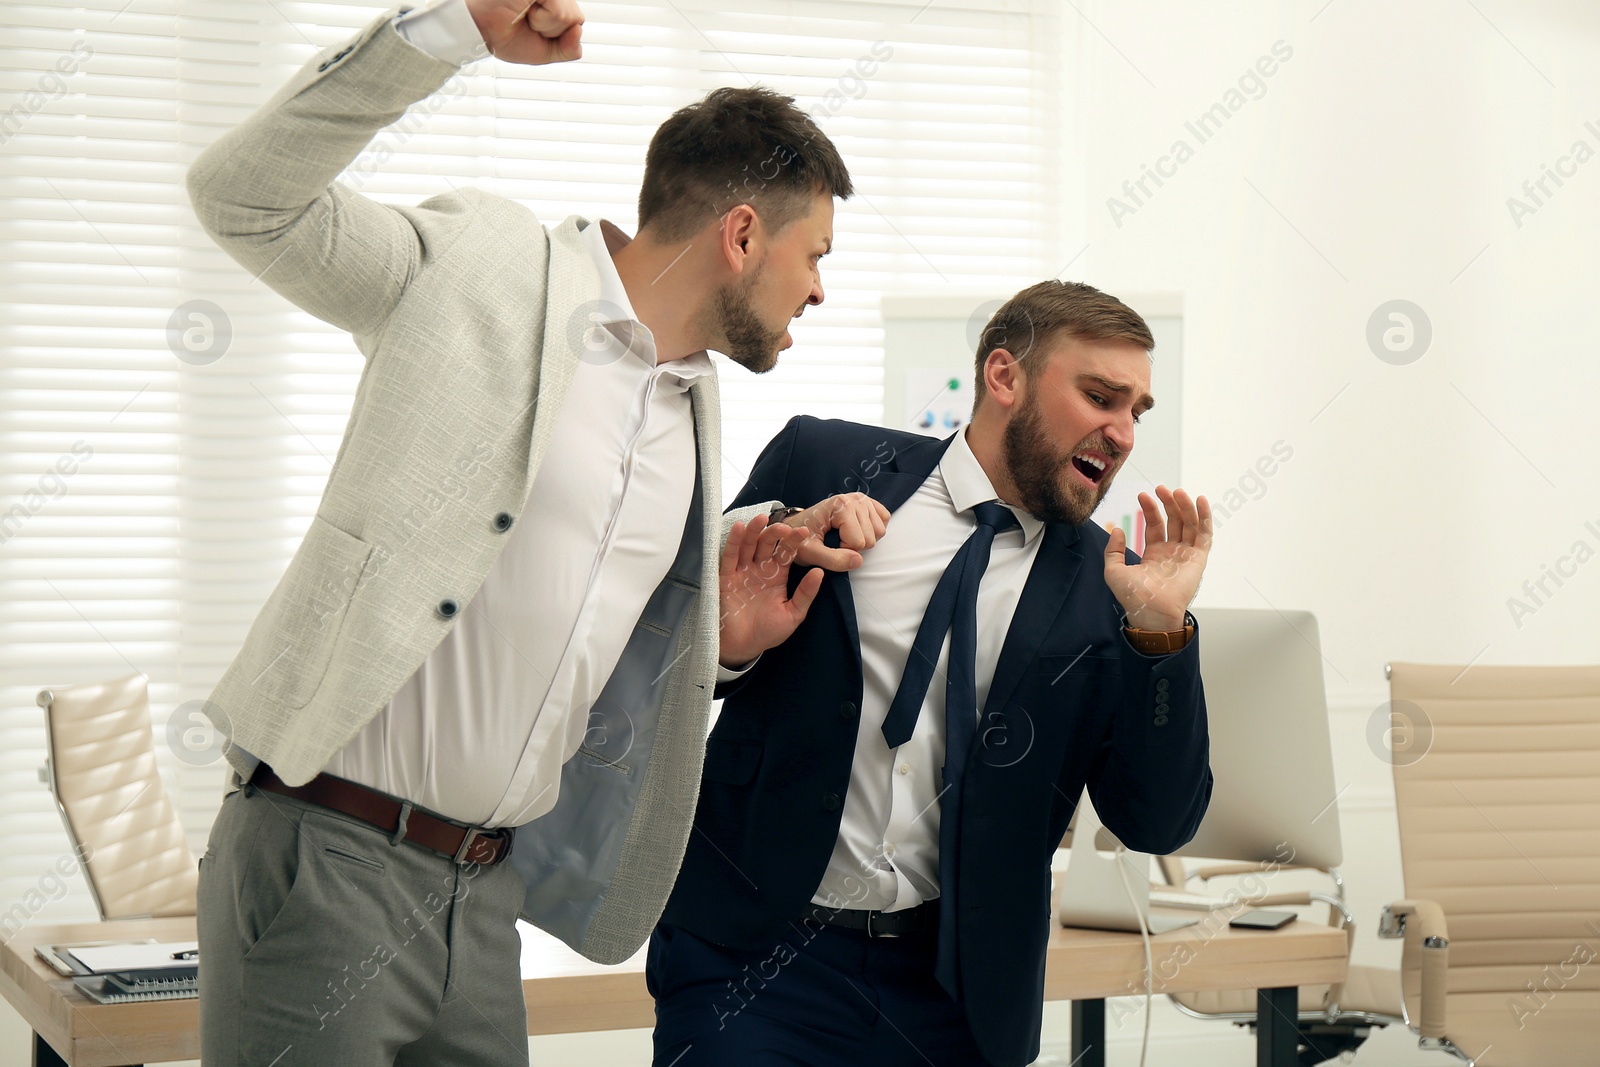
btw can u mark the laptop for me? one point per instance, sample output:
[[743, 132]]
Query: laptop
[[1095, 895]]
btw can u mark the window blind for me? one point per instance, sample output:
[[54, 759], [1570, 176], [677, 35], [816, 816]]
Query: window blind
[[167, 423]]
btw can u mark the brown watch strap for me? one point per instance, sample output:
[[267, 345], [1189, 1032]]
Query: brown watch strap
[[783, 514], [1159, 642]]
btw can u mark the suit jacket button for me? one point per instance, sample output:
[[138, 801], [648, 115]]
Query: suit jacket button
[[502, 522], [831, 802], [447, 608], [847, 710]]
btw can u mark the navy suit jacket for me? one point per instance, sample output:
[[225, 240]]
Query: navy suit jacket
[[1072, 703]]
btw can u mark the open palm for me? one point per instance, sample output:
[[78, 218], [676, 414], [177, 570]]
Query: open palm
[[1156, 591], [757, 611]]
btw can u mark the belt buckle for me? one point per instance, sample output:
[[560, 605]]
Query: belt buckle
[[873, 933], [472, 836]]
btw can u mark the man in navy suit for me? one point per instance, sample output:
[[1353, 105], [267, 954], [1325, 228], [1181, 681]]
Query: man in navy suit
[[869, 878]]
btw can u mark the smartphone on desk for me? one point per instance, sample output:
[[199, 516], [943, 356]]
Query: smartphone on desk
[[1262, 920]]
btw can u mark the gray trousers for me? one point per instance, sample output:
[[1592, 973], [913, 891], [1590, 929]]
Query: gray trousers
[[322, 943]]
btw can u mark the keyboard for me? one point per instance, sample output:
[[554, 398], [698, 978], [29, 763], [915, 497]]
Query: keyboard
[[1167, 898]]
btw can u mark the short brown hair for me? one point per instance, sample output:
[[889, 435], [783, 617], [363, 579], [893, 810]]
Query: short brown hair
[[737, 146], [1028, 321]]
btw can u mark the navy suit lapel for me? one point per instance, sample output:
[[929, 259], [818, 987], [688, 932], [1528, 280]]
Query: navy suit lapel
[[892, 486], [905, 471], [1044, 595]]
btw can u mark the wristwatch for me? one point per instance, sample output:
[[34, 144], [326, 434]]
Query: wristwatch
[[783, 514], [1159, 642]]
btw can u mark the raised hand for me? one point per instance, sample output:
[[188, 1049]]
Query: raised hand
[[757, 611], [545, 31], [1157, 590]]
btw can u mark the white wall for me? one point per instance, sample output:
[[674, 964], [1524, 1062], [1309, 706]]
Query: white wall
[[1376, 165]]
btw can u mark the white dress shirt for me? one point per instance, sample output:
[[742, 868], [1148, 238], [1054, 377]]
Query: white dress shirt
[[887, 854], [444, 29], [479, 733]]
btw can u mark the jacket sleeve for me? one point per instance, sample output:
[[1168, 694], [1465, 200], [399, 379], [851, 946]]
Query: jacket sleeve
[[1153, 782], [770, 475], [266, 192]]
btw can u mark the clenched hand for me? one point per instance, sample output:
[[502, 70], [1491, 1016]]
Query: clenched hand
[[546, 31]]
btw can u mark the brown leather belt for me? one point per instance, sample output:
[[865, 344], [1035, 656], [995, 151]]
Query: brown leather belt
[[399, 819]]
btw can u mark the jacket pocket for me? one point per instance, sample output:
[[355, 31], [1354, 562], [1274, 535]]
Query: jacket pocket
[[292, 642], [1064, 668]]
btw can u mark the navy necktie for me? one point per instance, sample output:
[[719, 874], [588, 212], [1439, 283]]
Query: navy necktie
[[953, 608]]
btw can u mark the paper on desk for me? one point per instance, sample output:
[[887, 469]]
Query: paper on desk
[[132, 957]]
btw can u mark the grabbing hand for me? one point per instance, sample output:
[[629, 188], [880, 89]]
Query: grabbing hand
[[860, 521], [757, 611], [1157, 590], [545, 31]]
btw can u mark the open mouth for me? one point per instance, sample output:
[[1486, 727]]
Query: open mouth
[[1091, 466]]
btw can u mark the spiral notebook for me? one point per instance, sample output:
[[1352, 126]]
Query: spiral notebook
[[129, 987], [116, 972]]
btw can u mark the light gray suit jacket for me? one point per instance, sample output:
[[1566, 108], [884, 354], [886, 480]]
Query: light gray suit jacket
[[470, 315]]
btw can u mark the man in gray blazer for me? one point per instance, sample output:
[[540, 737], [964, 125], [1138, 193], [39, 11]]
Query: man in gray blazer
[[502, 623]]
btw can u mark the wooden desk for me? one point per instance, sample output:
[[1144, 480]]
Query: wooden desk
[[1086, 966], [69, 1028], [567, 994]]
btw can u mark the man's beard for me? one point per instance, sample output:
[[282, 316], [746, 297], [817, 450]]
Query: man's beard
[[1041, 473], [749, 342]]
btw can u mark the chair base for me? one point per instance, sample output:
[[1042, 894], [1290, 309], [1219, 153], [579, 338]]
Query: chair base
[[1323, 1042], [1443, 1044]]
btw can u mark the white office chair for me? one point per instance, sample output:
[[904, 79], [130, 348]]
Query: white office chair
[[102, 771], [1499, 815]]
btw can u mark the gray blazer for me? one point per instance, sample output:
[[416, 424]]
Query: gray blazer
[[470, 315]]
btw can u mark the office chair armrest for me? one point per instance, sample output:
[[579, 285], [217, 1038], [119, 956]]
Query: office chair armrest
[[1424, 918], [1427, 953]]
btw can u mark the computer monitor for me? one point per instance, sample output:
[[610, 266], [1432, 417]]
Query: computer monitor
[[1270, 751]]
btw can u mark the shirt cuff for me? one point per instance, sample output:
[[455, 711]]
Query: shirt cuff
[[444, 29], [733, 674]]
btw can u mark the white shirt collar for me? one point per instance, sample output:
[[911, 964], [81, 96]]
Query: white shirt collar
[[602, 239], [969, 486]]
